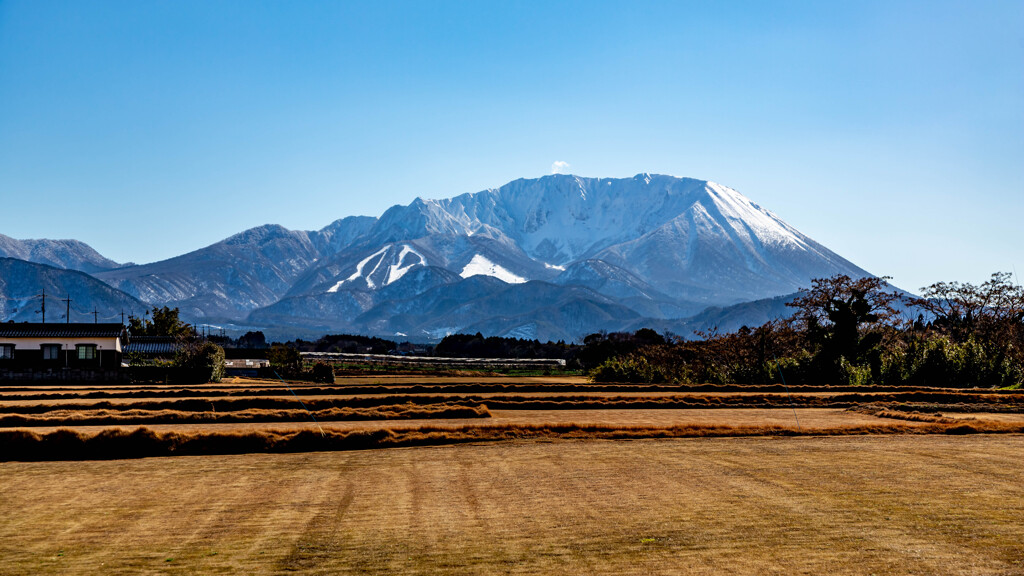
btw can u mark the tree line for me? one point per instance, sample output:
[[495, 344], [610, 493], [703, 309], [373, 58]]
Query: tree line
[[861, 331]]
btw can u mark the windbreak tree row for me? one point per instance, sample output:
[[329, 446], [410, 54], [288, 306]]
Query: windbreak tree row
[[855, 332]]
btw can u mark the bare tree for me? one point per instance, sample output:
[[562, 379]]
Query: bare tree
[[846, 320], [991, 311]]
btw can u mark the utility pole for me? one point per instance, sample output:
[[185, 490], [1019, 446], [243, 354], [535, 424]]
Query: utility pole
[[95, 316], [122, 316], [43, 308], [67, 319]]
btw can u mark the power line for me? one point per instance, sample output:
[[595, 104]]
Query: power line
[[32, 297], [95, 314], [70, 308], [22, 301]]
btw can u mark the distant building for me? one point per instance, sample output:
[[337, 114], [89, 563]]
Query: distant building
[[245, 367], [33, 351]]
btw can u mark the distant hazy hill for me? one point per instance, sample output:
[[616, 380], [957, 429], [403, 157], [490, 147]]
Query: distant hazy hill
[[552, 257]]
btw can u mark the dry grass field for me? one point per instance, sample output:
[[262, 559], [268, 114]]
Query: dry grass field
[[809, 505], [43, 422], [513, 475]]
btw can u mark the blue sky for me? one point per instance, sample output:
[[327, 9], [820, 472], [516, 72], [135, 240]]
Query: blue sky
[[892, 132]]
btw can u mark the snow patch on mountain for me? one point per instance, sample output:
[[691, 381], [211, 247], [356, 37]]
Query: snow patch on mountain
[[359, 270], [481, 266], [439, 333], [406, 259], [396, 271]]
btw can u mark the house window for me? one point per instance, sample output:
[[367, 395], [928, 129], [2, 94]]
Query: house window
[[6, 351], [86, 351], [51, 351]]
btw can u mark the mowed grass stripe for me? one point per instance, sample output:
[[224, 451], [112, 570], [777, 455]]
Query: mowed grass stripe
[[838, 505]]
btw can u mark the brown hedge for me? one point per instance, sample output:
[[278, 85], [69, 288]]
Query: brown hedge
[[64, 444]]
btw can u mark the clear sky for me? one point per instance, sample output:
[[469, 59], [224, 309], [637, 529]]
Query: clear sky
[[892, 132]]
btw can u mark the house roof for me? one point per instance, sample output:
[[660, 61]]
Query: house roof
[[59, 330], [151, 345]]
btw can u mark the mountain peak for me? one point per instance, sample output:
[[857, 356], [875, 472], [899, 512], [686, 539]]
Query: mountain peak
[[258, 234], [562, 249]]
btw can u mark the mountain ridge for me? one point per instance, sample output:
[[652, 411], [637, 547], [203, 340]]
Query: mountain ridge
[[22, 282], [67, 254], [625, 249]]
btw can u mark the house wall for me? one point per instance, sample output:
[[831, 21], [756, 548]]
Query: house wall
[[66, 343], [28, 363], [29, 358]]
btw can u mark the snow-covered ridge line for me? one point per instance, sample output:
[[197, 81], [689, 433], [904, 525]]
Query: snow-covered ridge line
[[481, 266]]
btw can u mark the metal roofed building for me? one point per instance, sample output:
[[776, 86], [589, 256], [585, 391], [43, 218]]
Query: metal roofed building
[[35, 351], [152, 346]]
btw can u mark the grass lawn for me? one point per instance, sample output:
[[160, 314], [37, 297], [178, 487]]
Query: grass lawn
[[811, 505]]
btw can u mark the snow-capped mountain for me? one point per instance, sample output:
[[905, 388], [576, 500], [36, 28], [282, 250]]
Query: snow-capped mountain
[[550, 256], [68, 254], [697, 240]]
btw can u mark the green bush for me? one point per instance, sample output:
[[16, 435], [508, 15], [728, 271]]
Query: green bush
[[285, 359], [939, 362], [854, 375], [204, 359], [788, 369], [635, 369]]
